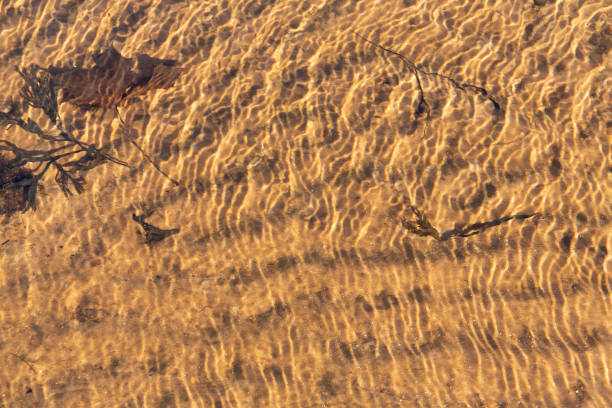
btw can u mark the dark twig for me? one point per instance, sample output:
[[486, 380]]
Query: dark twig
[[24, 361], [479, 227], [422, 227], [152, 234], [416, 70], [145, 155], [423, 106], [465, 86]]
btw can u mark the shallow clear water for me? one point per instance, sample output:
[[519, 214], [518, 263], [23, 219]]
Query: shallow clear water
[[289, 154]]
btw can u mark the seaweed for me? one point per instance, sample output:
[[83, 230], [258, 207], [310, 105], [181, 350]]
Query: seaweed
[[423, 106], [67, 155], [422, 227], [152, 234]]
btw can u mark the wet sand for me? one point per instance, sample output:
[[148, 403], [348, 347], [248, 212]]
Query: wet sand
[[297, 148]]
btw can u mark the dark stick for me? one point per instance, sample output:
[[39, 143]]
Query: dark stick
[[146, 156], [416, 70]]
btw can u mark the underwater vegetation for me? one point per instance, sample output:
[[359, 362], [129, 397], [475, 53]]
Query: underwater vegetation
[[111, 82], [423, 105], [420, 224]]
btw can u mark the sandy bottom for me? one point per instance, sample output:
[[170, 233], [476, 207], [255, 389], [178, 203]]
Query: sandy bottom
[[288, 153]]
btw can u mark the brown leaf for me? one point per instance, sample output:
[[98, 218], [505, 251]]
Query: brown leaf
[[113, 80]]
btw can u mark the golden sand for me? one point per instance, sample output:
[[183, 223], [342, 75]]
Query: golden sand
[[298, 148]]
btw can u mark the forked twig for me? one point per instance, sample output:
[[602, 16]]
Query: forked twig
[[416, 70], [423, 106], [422, 227]]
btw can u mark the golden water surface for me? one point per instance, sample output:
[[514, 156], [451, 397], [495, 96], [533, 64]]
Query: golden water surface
[[298, 142]]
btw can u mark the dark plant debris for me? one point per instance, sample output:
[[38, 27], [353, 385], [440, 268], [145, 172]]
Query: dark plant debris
[[113, 80], [423, 106], [422, 227], [23, 359], [67, 155], [152, 234], [15, 186], [128, 134]]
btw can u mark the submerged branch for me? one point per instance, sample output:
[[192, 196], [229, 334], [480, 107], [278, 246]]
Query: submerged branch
[[423, 106], [145, 155], [111, 82], [416, 71], [422, 227]]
